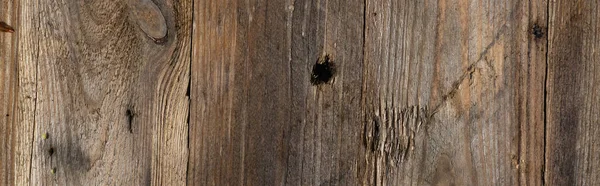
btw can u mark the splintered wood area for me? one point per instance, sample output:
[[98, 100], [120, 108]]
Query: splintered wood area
[[299, 92]]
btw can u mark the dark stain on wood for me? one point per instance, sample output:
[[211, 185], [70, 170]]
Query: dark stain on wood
[[75, 160], [537, 31], [323, 71], [130, 116], [51, 151], [375, 135]]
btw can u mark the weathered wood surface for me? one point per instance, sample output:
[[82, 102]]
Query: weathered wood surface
[[105, 86], [454, 92], [8, 94], [225, 92], [573, 100], [257, 119]]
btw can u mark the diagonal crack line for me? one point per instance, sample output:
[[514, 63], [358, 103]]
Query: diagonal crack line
[[468, 71]]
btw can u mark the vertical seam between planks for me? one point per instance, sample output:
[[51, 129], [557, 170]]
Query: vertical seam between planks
[[189, 89], [362, 100], [546, 93]]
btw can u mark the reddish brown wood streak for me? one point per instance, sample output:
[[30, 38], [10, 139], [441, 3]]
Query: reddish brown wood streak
[[6, 28]]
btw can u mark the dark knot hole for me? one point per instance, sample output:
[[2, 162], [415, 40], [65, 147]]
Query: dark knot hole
[[323, 71]]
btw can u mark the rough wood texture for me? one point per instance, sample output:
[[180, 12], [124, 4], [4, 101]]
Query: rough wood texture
[[454, 92], [109, 98], [8, 93], [258, 120], [573, 133], [232, 92]]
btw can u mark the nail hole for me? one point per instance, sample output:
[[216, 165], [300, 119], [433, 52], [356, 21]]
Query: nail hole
[[51, 151], [323, 71], [130, 115], [537, 31]]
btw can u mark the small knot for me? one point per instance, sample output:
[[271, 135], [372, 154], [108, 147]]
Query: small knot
[[150, 20], [323, 71], [537, 31]]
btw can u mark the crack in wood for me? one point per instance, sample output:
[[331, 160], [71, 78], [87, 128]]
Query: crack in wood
[[130, 116], [467, 73], [6, 28]]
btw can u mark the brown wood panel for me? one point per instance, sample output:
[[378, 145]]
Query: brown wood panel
[[102, 92], [8, 92], [257, 119], [573, 133], [454, 92], [299, 92]]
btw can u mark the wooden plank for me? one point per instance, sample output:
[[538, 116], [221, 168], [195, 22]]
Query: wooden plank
[[102, 92], [573, 134], [454, 92], [8, 93], [257, 119], [530, 85]]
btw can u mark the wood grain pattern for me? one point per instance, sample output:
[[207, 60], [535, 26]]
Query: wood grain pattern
[[258, 119], [223, 92], [454, 92], [110, 99], [573, 133], [8, 93]]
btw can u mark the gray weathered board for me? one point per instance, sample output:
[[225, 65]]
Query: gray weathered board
[[223, 92]]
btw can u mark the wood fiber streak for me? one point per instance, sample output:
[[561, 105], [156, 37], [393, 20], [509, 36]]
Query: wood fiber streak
[[256, 117], [573, 135], [110, 101]]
